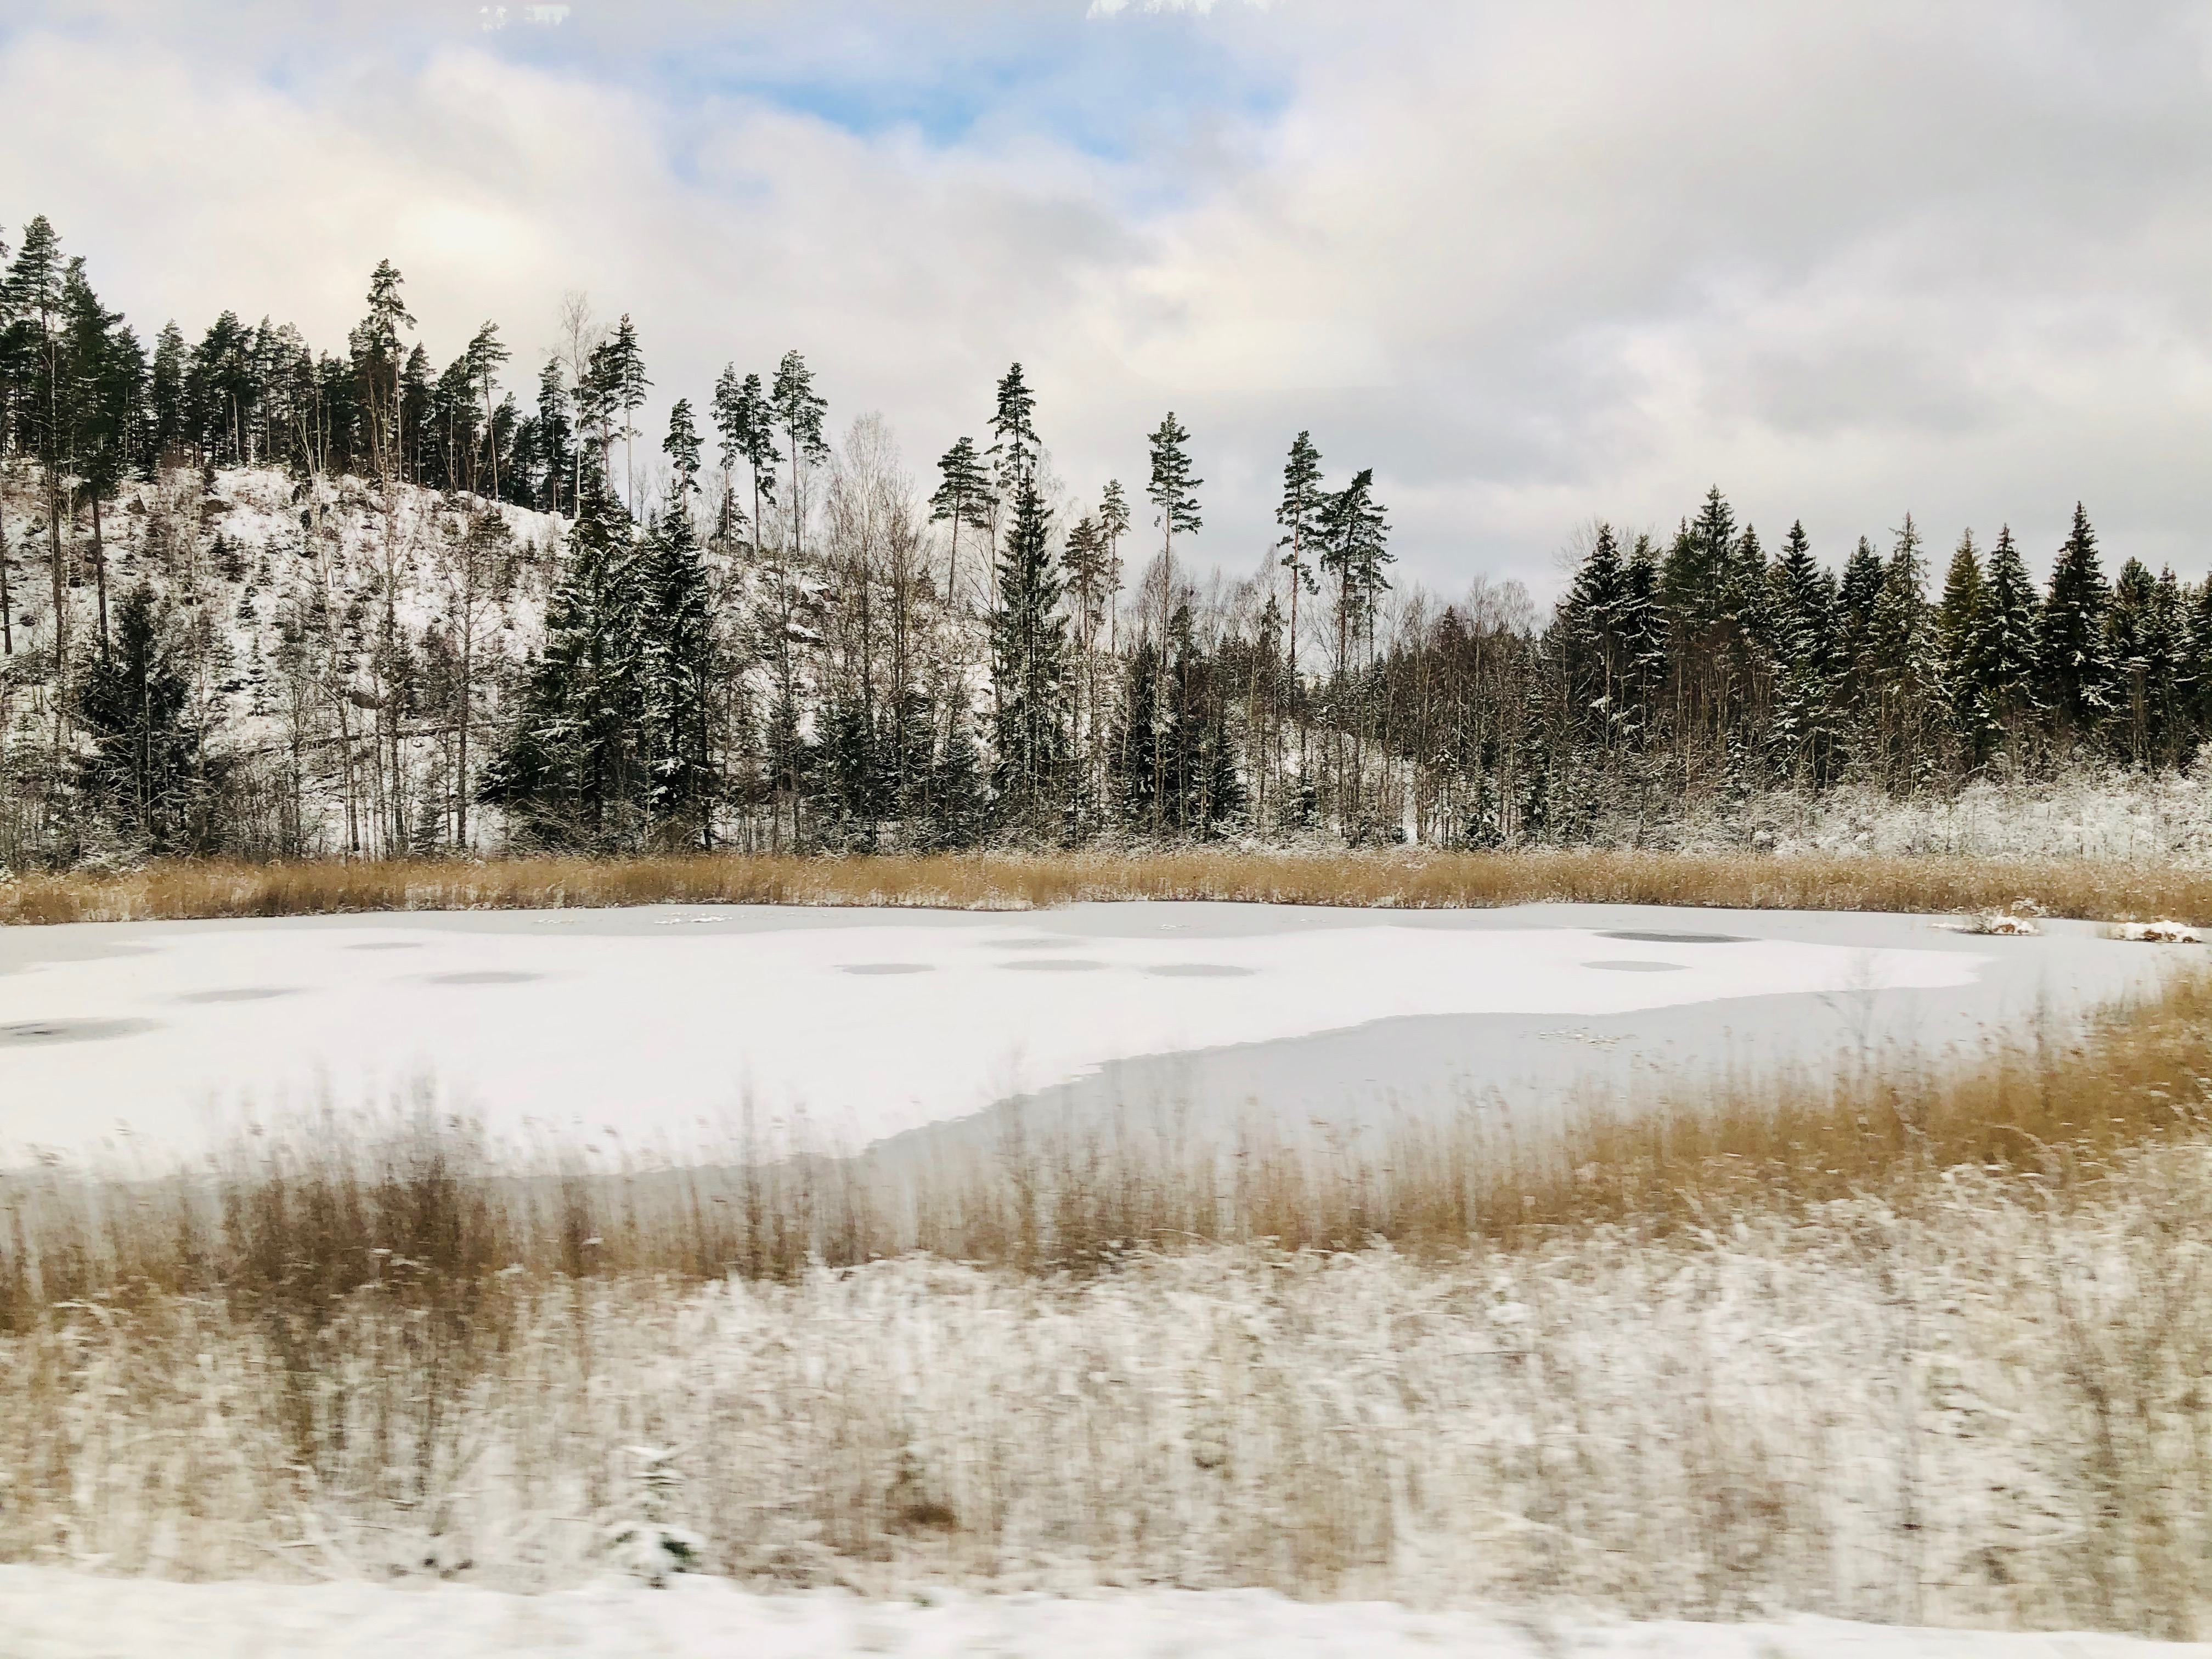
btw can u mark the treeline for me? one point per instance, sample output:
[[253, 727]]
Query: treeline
[[745, 633]]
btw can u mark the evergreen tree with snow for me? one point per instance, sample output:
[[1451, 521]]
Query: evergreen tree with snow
[[2007, 657], [572, 772], [1901, 666], [2074, 646], [144, 764], [1961, 624], [1803, 603], [677, 659], [1029, 667]]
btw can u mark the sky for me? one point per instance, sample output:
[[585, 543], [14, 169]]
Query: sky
[[1536, 265]]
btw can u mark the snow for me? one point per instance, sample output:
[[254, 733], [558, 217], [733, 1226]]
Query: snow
[[49, 1613], [870, 1026]]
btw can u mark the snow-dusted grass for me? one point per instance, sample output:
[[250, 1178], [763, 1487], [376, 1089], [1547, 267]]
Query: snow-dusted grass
[[2113, 887], [51, 1614], [1924, 1349], [1987, 1410]]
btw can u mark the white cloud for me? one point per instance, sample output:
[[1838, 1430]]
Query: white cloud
[[1533, 265]]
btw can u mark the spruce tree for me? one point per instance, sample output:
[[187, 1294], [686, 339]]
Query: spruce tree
[[1804, 605], [2009, 656], [676, 660], [572, 773], [1029, 667], [1901, 657], [1961, 625], [2074, 650], [132, 705]]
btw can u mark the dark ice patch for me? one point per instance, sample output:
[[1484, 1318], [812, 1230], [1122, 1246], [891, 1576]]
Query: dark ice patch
[[39, 1033], [1638, 966], [1679, 938], [1054, 965]]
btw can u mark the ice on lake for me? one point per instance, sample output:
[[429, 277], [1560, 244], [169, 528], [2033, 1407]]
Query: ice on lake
[[659, 1022]]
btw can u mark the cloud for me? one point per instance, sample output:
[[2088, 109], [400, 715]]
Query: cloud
[[1534, 266]]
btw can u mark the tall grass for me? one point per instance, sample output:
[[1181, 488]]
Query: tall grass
[[176, 890], [1914, 1345]]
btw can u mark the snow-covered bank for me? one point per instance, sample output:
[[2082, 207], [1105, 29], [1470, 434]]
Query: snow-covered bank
[[46, 1613]]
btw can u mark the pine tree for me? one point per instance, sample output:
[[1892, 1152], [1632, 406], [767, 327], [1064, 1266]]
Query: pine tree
[[747, 426], [681, 446], [1113, 524], [2077, 668], [484, 356], [963, 497], [554, 455], [799, 410], [379, 365], [626, 386], [1354, 548], [1014, 444], [1297, 515], [106, 376]]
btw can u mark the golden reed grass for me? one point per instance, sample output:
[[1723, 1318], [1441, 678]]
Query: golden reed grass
[[182, 890], [409, 1200]]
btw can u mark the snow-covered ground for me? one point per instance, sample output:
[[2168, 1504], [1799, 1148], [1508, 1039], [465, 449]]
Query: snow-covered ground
[[50, 1615], [658, 1023]]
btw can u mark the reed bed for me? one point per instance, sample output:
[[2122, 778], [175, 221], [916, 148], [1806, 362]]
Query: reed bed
[[177, 889], [1926, 1346]]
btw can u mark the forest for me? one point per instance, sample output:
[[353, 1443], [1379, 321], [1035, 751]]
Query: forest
[[268, 601]]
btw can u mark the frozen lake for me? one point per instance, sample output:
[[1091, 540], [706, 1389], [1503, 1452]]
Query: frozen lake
[[657, 1023]]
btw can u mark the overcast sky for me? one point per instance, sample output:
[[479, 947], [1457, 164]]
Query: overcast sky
[[1535, 263]]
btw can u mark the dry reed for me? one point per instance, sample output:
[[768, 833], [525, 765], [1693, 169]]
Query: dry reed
[[188, 889], [1896, 1344]]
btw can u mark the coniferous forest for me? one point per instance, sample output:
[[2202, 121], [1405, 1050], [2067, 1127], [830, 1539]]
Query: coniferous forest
[[262, 599]]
